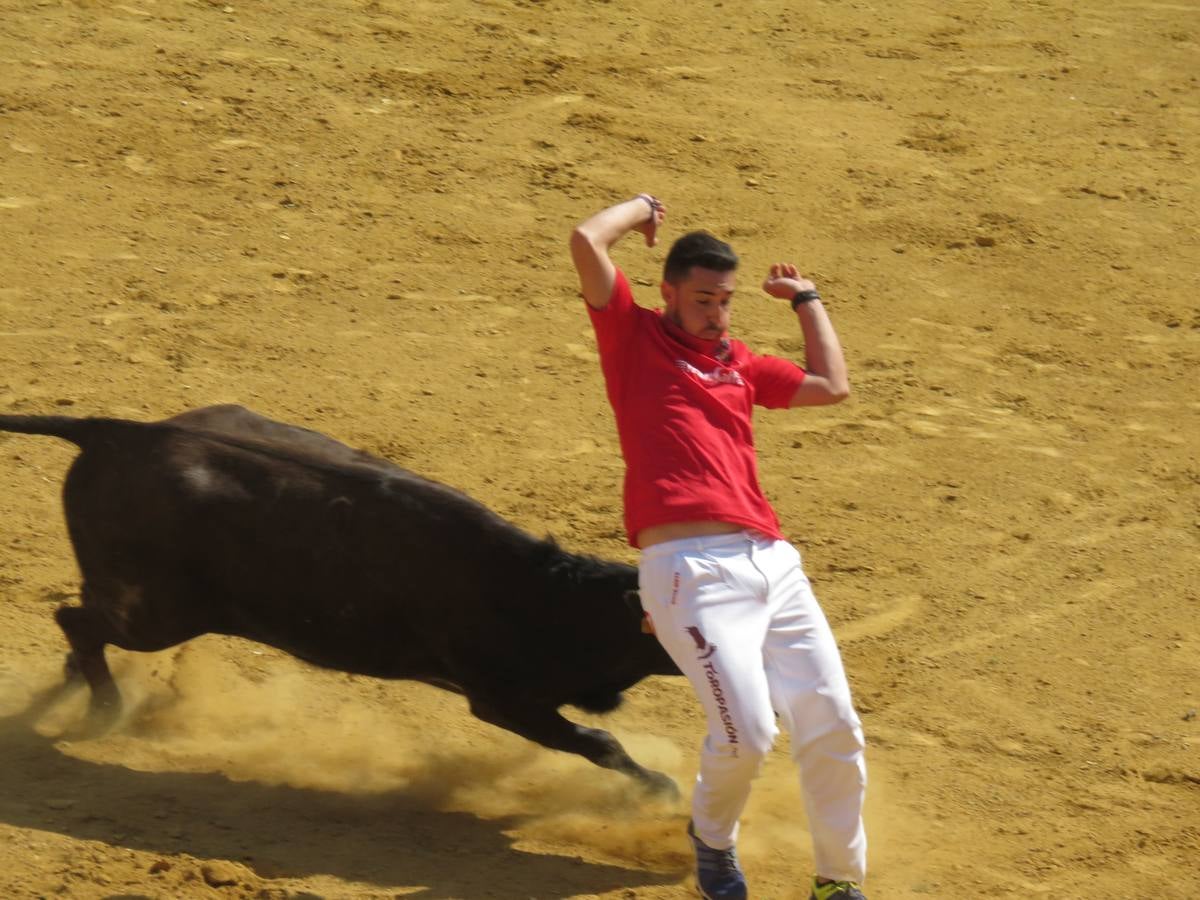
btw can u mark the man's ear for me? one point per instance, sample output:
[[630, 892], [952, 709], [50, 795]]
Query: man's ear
[[668, 292]]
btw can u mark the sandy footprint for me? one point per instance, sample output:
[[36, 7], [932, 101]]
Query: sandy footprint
[[882, 622], [531, 107]]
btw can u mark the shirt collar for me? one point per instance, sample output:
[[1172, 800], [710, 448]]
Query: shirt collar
[[719, 349]]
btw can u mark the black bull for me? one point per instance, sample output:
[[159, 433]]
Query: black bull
[[221, 521]]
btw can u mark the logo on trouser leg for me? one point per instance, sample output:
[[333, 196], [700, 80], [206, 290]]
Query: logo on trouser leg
[[714, 682], [701, 644], [704, 651]]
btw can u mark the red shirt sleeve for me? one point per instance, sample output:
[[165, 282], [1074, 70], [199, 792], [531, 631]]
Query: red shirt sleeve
[[614, 323], [775, 380]]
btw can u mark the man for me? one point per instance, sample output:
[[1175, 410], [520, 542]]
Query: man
[[726, 594]]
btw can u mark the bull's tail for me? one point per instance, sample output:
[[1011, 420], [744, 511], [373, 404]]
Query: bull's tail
[[68, 428]]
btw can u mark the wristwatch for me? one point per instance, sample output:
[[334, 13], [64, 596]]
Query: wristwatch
[[804, 297]]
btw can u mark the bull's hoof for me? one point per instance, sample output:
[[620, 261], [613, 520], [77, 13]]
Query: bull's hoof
[[100, 720], [103, 712]]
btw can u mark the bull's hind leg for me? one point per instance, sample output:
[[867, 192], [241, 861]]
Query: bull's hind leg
[[87, 632], [548, 728], [142, 615]]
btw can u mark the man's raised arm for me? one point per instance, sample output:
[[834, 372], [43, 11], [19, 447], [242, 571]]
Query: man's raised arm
[[592, 239], [824, 361]]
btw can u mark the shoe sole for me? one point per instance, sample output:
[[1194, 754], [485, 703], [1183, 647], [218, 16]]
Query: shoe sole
[[700, 893]]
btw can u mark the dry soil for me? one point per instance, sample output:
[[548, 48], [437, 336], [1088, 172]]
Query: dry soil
[[353, 216]]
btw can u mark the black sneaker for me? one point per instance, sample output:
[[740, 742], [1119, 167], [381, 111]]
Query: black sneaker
[[836, 890], [717, 871]]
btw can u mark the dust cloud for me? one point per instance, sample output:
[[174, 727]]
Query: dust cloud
[[254, 714]]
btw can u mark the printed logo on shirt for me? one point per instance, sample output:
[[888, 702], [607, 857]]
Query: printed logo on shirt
[[701, 644], [716, 376], [675, 589]]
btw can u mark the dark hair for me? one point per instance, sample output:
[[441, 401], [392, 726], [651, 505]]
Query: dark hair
[[698, 248]]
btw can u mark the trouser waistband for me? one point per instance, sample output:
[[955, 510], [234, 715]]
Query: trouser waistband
[[708, 542]]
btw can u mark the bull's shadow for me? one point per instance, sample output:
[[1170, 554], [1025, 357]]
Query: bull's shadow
[[281, 831]]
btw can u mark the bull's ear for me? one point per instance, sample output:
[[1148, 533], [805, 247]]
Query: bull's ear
[[633, 600]]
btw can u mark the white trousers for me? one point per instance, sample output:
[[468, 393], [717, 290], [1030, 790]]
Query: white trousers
[[737, 615]]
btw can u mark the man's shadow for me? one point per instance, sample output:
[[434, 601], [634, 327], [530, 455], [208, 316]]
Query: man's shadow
[[280, 831]]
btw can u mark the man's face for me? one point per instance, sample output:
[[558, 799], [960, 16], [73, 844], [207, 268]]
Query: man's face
[[700, 303]]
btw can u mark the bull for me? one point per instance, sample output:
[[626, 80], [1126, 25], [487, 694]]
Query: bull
[[219, 520]]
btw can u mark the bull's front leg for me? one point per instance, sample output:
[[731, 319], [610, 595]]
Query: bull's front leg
[[548, 728]]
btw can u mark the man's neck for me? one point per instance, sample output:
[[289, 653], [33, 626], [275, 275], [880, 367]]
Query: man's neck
[[717, 348]]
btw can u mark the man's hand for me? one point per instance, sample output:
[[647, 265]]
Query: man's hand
[[785, 280], [658, 212]]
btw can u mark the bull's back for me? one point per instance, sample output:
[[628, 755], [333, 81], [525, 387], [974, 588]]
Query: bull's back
[[238, 423], [362, 569]]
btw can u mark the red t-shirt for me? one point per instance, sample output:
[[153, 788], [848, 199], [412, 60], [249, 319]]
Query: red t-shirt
[[683, 418]]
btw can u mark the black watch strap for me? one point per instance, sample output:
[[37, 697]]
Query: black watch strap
[[804, 297]]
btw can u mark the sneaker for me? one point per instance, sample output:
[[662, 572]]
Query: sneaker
[[717, 871], [836, 890]]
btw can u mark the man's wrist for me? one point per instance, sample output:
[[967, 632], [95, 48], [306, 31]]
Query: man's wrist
[[801, 297], [651, 201]]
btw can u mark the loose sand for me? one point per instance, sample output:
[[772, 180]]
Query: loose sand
[[354, 215]]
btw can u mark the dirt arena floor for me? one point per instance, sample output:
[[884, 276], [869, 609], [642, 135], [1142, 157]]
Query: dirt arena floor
[[353, 216]]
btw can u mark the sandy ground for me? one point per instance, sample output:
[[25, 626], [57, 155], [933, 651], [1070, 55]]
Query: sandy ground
[[353, 216]]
